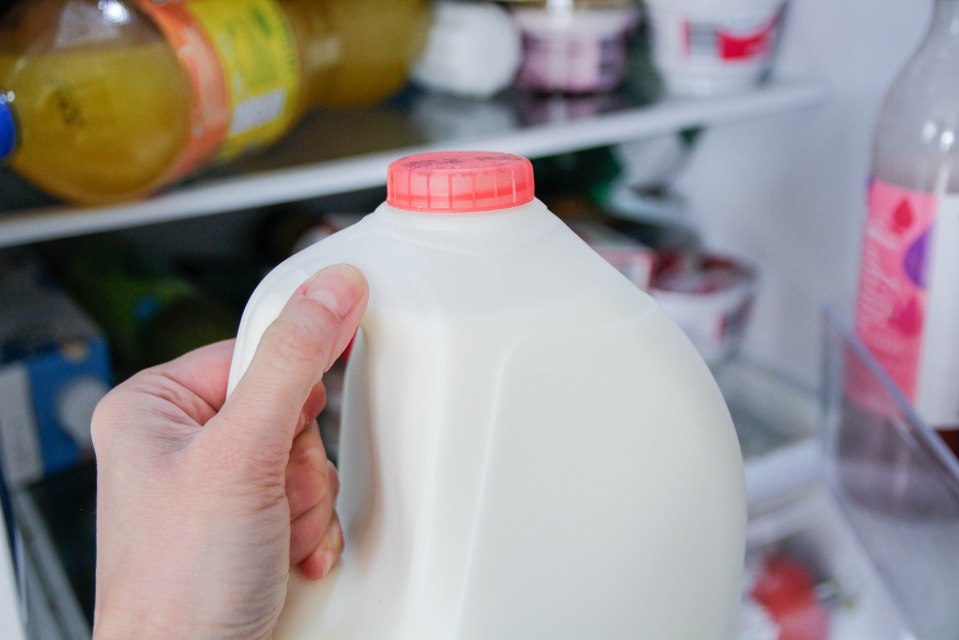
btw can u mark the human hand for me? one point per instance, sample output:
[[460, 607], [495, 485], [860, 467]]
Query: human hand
[[204, 503]]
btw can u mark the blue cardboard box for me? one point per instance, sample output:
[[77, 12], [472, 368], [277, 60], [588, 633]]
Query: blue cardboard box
[[54, 368]]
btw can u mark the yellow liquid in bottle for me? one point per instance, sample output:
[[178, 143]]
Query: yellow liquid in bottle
[[355, 52], [106, 119], [98, 124]]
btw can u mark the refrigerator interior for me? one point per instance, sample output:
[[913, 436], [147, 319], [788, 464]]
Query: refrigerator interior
[[786, 192]]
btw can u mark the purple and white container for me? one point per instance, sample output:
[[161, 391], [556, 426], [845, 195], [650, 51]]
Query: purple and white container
[[575, 47]]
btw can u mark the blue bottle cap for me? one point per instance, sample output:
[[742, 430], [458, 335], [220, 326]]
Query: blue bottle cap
[[8, 129]]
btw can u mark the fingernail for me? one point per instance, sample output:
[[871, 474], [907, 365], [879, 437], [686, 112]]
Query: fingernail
[[338, 288], [328, 560], [334, 543]]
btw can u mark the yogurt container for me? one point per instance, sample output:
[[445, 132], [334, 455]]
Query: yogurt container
[[575, 47], [709, 296], [473, 49], [714, 47]]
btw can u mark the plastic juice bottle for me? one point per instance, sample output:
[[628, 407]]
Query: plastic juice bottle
[[103, 100], [356, 52], [79, 124], [530, 448], [907, 310]]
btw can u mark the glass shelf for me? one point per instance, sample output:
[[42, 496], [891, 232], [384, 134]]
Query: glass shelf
[[776, 421], [339, 151]]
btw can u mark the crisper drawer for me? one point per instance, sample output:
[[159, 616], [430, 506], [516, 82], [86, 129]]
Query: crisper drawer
[[895, 481], [808, 577], [807, 574]]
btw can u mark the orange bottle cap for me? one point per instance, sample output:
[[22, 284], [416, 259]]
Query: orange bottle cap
[[459, 181]]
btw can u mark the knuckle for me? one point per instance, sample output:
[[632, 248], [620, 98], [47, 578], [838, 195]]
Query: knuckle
[[306, 533], [125, 408], [302, 495], [107, 419], [307, 486]]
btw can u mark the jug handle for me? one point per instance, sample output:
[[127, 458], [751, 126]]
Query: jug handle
[[274, 292]]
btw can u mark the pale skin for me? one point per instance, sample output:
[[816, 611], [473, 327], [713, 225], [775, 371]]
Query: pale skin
[[206, 503]]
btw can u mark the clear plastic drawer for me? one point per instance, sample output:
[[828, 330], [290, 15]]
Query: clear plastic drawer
[[895, 480]]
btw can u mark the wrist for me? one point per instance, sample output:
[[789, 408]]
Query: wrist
[[115, 621], [140, 615]]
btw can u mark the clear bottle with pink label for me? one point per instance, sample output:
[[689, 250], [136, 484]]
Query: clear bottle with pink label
[[907, 307]]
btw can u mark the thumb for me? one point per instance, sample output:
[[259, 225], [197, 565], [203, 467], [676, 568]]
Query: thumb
[[296, 349]]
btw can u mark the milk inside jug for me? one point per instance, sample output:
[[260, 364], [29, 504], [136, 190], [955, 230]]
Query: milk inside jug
[[530, 448]]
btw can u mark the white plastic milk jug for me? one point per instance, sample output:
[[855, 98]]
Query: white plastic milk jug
[[531, 449]]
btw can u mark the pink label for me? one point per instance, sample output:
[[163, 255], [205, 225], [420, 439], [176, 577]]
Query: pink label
[[892, 301]]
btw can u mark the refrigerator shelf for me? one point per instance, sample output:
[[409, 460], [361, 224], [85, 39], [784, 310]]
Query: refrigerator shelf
[[776, 421], [339, 151]]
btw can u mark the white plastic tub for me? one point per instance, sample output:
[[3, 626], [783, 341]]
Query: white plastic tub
[[714, 47]]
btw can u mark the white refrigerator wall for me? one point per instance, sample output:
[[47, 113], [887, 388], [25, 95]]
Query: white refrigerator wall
[[788, 191]]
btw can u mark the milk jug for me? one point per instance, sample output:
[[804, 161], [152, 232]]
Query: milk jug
[[531, 449]]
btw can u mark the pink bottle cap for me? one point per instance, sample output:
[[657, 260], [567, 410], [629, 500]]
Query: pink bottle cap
[[459, 181]]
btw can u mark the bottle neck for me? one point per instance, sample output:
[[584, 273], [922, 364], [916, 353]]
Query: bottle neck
[[945, 19], [8, 128]]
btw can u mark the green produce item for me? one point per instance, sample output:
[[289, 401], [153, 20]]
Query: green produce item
[[149, 312]]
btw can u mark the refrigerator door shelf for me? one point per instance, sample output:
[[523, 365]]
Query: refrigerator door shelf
[[895, 480]]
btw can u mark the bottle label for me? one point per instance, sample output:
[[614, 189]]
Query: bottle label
[[907, 309], [242, 61]]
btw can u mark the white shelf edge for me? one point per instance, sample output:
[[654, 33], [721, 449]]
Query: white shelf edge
[[784, 406], [369, 170], [783, 470]]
